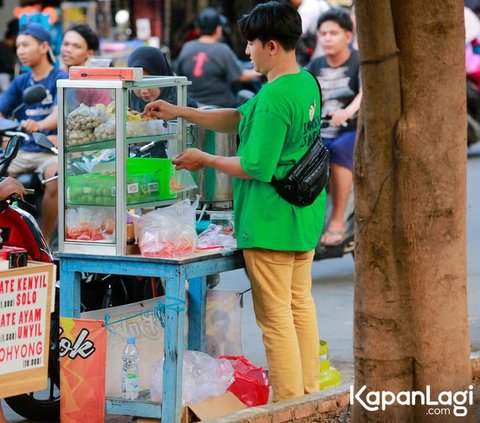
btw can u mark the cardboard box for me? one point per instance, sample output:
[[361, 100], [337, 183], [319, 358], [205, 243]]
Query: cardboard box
[[208, 409]]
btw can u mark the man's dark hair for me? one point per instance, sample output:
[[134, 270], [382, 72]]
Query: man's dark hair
[[87, 34], [12, 29], [272, 21], [209, 19], [338, 15]]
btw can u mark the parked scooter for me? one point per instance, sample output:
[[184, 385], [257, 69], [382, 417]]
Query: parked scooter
[[20, 229], [347, 246]]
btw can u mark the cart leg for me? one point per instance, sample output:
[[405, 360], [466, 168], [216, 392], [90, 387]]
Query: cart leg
[[197, 302], [173, 348], [69, 291]]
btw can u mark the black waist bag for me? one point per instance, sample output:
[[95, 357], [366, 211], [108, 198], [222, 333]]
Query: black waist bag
[[308, 178]]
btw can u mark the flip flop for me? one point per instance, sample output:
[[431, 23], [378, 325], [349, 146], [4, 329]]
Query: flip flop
[[338, 238]]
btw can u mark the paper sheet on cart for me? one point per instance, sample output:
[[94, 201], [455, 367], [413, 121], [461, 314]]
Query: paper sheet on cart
[[148, 332]]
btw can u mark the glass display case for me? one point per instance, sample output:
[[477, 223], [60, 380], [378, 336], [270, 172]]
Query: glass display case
[[113, 160]]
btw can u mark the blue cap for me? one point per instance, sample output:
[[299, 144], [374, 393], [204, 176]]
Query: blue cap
[[36, 30], [131, 340]]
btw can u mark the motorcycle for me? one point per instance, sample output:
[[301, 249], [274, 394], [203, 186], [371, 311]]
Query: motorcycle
[[347, 246], [19, 229]]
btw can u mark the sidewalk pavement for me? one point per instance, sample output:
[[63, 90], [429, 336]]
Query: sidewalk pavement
[[328, 406]]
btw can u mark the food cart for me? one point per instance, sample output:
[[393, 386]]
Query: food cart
[[98, 185]]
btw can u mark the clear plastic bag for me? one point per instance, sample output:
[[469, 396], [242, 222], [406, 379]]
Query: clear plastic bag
[[90, 224], [203, 377], [181, 181], [168, 231], [81, 124], [215, 236]]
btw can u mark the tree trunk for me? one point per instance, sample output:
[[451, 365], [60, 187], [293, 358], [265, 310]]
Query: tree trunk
[[411, 323]]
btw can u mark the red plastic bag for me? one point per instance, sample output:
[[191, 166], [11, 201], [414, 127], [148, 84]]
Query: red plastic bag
[[251, 385]]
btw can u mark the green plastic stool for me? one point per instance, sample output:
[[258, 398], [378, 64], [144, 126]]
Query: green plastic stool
[[329, 376]]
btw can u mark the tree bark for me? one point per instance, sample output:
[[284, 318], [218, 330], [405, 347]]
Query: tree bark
[[411, 323]]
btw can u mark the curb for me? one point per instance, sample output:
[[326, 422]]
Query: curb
[[321, 404], [316, 407]]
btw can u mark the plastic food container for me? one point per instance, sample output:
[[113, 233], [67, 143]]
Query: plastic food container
[[147, 180]]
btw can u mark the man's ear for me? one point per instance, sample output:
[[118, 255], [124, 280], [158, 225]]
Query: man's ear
[[349, 35], [44, 46], [273, 47], [90, 53]]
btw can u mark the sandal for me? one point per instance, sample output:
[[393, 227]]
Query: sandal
[[332, 238]]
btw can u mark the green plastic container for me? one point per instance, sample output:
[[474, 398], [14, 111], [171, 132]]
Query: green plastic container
[[160, 169], [147, 180], [329, 376]]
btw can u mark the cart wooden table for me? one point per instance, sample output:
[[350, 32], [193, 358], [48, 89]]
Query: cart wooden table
[[193, 268]]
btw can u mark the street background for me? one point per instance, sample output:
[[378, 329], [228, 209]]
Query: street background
[[333, 283]]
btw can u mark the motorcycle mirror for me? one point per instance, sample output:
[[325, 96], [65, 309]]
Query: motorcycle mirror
[[42, 140], [34, 94], [11, 149]]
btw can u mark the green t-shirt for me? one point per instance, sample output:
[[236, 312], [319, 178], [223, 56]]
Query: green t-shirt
[[277, 127]]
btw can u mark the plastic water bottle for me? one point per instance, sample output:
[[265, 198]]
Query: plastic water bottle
[[130, 370]]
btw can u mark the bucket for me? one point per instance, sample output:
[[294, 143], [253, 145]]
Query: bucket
[[214, 187]]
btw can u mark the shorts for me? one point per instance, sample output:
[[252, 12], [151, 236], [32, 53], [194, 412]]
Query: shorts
[[341, 149], [31, 162]]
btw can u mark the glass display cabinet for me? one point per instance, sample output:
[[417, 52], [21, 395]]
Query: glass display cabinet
[[112, 159]]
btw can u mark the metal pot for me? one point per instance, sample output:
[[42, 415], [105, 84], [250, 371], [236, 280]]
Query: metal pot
[[214, 187]]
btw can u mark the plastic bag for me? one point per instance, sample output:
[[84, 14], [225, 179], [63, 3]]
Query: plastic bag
[[81, 124], [203, 377], [251, 385], [215, 236], [90, 224], [181, 181], [168, 231]]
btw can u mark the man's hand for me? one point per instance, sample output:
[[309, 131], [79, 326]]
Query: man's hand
[[32, 126], [191, 159], [160, 109], [9, 186], [339, 117]]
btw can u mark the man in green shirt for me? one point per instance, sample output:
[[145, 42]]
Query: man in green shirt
[[276, 129]]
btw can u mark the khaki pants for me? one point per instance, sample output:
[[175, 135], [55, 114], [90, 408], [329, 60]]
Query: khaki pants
[[285, 311]]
